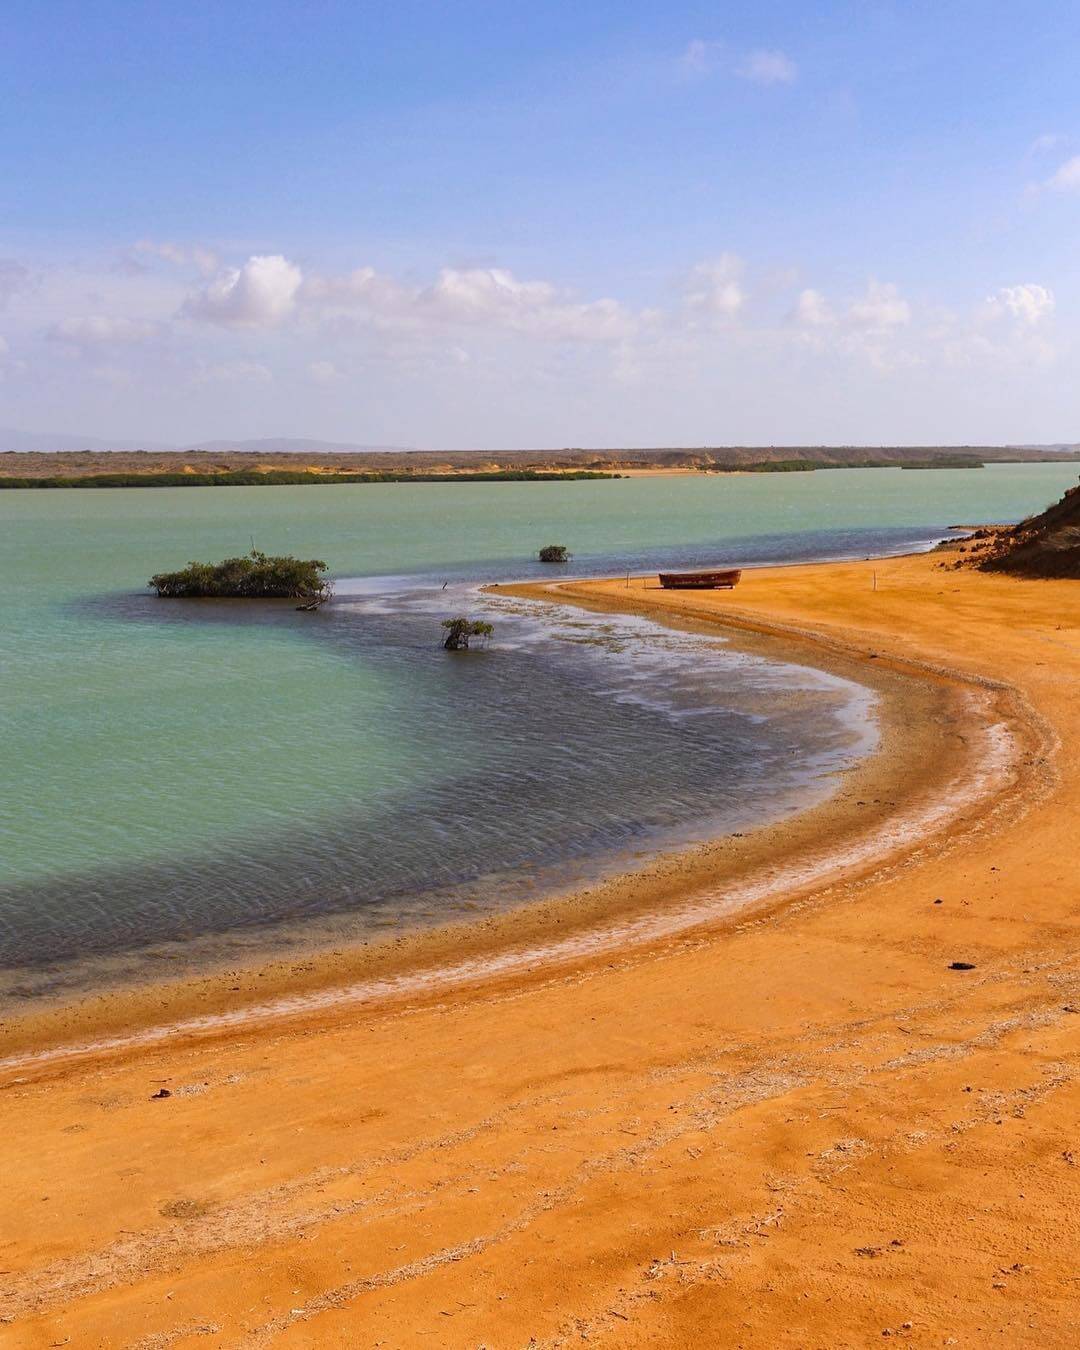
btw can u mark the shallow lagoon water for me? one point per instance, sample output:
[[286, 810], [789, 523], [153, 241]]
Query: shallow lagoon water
[[175, 777]]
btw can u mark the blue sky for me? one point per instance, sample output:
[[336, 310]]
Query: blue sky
[[486, 224]]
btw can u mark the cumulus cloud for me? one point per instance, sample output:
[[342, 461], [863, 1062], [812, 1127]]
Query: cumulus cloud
[[257, 295], [713, 288], [881, 308], [479, 292], [1067, 177], [490, 297], [332, 329], [493, 295], [868, 327], [813, 310], [768, 67], [363, 286], [100, 330], [1028, 304]]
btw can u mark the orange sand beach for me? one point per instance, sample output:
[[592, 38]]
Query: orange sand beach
[[738, 1098]]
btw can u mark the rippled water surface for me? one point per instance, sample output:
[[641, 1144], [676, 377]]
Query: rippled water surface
[[175, 777]]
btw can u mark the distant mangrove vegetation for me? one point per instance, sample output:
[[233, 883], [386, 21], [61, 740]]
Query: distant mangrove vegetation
[[274, 477], [809, 465], [293, 478], [252, 577]]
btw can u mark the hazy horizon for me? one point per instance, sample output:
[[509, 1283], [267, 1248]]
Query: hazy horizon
[[20, 441]]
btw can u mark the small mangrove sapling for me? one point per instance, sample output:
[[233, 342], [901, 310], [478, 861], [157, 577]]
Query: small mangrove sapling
[[460, 630]]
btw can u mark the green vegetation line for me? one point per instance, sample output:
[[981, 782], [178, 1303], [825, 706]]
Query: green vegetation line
[[291, 478]]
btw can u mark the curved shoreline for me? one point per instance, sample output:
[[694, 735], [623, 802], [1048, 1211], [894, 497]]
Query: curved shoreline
[[846, 1108], [978, 730]]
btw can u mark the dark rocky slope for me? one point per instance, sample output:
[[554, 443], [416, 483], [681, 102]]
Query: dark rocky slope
[[1046, 545]]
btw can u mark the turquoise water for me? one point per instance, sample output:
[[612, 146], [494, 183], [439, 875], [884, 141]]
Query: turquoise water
[[170, 771]]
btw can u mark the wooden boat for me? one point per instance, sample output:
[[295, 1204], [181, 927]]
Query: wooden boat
[[700, 581]]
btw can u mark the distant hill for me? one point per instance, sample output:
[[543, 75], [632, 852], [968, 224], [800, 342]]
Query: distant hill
[[290, 452], [283, 445], [70, 457], [51, 442], [62, 442]]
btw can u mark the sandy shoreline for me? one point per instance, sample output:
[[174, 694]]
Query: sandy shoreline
[[794, 1125], [713, 882]]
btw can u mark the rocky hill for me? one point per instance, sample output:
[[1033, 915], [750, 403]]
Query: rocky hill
[[1046, 545]]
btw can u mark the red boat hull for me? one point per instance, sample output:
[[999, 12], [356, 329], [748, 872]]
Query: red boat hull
[[700, 581]]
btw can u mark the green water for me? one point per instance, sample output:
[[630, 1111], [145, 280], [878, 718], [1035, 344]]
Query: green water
[[131, 736], [58, 544]]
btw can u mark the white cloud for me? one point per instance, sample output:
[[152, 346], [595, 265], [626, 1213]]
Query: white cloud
[[868, 328], [98, 330], [362, 286], [257, 295], [769, 67], [489, 341], [703, 56], [478, 294], [714, 287], [488, 297], [1067, 178], [492, 295], [813, 310], [881, 308], [1028, 304], [181, 255], [170, 252], [699, 57]]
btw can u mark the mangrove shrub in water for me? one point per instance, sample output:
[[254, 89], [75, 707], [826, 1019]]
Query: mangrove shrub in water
[[557, 553], [460, 630], [253, 577]]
